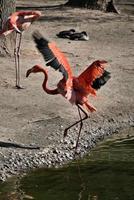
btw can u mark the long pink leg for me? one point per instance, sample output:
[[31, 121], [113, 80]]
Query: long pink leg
[[86, 116], [17, 59], [16, 62], [81, 124]]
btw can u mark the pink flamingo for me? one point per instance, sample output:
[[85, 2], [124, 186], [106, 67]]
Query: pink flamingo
[[75, 89], [19, 22]]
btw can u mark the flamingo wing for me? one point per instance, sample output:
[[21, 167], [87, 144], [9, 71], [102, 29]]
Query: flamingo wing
[[101, 80], [94, 76], [52, 55]]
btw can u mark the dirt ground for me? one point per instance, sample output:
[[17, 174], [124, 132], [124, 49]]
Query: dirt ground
[[30, 116]]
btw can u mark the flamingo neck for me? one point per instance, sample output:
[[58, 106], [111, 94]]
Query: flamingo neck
[[44, 85]]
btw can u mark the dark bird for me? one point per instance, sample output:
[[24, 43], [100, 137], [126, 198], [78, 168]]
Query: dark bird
[[66, 33], [79, 36], [74, 89]]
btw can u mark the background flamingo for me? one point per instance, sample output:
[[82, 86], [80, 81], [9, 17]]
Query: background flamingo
[[75, 89], [19, 22]]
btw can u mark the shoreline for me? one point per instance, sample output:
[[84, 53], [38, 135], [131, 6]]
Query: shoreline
[[19, 161]]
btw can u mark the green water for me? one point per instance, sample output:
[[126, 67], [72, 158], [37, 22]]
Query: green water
[[107, 174]]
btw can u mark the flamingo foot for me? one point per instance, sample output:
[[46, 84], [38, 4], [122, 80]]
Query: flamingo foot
[[19, 87]]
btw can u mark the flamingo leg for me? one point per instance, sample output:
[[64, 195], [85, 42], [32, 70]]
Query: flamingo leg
[[17, 59], [81, 124]]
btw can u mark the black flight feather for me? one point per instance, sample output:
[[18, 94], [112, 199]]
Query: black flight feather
[[99, 82], [42, 46]]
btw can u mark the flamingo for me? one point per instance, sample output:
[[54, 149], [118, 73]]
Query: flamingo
[[19, 22], [74, 89]]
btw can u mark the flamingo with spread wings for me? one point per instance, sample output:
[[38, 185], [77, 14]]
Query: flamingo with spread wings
[[75, 89], [19, 22]]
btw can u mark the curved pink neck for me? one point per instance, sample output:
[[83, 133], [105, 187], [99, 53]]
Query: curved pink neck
[[44, 85]]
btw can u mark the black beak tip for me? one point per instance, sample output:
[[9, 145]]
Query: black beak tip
[[27, 74]]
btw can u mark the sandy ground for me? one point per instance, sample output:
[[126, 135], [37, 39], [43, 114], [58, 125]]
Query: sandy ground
[[30, 116]]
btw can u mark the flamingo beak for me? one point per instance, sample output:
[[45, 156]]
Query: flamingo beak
[[16, 28], [29, 71]]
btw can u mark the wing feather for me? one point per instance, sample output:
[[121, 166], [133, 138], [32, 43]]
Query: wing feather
[[52, 55], [93, 72]]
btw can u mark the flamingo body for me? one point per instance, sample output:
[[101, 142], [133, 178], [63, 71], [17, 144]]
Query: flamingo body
[[19, 21]]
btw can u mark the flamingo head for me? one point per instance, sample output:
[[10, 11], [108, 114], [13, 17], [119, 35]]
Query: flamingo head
[[34, 69]]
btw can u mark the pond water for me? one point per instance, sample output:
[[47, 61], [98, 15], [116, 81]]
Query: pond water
[[106, 174]]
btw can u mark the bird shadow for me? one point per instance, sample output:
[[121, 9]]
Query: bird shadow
[[51, 7], [50, 17], [17, 145], [68, 18], [57, 18]]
